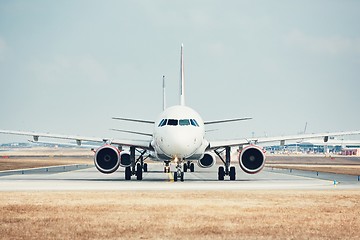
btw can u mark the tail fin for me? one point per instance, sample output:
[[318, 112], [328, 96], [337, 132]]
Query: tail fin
[[164, 96], [182, 78]]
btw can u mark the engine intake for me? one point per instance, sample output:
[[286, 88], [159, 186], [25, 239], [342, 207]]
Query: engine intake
[[207, 160], [107, 159], [252, 159]]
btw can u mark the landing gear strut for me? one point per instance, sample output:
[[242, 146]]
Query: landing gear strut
[[225, 170], [179, 173], [137, 166]]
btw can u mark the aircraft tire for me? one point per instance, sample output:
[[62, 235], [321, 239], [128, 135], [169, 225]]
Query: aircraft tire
[[127, 173], [139, 172], [221, 173], [192, 167], [232, 173], [145, 167]]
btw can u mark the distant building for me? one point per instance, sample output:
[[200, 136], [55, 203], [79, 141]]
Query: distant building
[[303, 148], [350, 151]]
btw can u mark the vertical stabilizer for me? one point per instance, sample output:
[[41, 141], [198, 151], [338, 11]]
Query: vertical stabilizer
[[164, 92], [182, 78]]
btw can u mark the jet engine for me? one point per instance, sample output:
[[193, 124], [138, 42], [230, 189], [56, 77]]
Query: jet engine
[[107, 159], [252, 159], [207, 160]]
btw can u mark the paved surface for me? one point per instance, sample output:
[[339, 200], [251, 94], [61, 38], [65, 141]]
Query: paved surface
[[87, 178]]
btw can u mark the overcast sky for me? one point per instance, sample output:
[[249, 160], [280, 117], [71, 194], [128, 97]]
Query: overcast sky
[[69, 66]]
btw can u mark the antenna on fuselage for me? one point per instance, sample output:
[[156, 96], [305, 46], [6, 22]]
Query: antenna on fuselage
[[164, 94], [182, 78]]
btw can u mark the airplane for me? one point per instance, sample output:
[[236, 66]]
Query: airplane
[[179, 138]]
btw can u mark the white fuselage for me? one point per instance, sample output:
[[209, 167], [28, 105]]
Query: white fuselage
[[179, 134]]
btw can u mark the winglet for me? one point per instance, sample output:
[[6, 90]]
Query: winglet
[[182, 77]]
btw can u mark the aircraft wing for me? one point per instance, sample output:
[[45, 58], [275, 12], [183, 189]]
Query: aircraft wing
[[145, 144], [226, 121], [133, 120], [67, 144], [282, 139]]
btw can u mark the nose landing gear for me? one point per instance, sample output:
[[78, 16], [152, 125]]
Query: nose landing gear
[[179, 173]]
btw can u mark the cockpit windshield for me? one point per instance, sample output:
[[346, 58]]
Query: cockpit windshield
[[176, 122], [194, 122], [172, 122], [162, 122], [184, 122]]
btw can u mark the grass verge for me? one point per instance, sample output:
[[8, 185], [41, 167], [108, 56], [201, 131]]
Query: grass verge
[[331, 214]]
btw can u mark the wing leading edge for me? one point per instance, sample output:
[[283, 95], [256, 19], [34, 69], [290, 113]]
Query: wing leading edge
[[226, 121], [144, 144], [239, 142]]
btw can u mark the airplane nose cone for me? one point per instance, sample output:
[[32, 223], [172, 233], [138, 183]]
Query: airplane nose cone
[[180, 145]]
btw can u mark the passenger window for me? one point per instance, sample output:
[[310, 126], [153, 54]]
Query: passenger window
[[172, 122], [184, 122]]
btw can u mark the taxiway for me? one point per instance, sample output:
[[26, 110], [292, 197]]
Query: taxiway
[[87, 178]]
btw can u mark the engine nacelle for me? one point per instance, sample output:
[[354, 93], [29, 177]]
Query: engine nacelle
[[207, 160], [107, 159], [125, 160], [252, 159]]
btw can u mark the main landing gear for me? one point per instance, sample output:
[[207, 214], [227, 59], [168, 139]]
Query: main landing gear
[[137, 166], [189, 165], [225, 170], [167, 167]]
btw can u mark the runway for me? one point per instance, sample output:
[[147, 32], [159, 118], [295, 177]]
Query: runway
[[87, 178]]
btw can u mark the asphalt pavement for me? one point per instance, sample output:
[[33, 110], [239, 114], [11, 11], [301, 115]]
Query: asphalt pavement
[[87, 178]]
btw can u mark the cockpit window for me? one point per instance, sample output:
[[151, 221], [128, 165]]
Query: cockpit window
[[181, 122], [194, 123], [162, 123], [172, 122], [184, 122]]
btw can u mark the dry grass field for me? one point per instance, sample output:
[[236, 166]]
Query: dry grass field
[[43, 157], [339, 169], [312, 159], [332, 214], [45, 152], [338, 164], [36, 162]]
